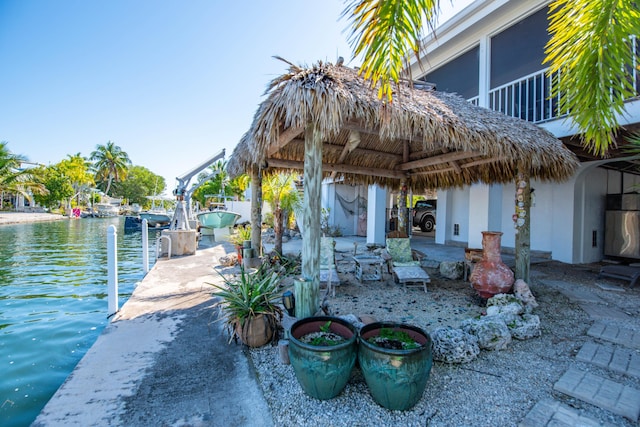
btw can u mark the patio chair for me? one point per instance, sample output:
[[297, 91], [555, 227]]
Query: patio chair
[[328, 272], [404, 263]]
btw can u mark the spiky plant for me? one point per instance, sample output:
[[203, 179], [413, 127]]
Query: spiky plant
[[248, 295]]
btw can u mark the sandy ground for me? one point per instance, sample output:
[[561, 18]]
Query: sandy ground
[[26, 217]]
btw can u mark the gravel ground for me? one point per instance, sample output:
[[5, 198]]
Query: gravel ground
[[497, 389]]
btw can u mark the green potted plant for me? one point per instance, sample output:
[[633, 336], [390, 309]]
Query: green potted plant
[[241, 235], [322, 352], [249, 305], [395, 360]]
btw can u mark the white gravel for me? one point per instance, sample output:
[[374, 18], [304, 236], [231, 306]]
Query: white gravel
[[497, 389]]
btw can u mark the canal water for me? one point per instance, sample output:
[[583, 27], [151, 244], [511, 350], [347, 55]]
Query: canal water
[[53, 304]]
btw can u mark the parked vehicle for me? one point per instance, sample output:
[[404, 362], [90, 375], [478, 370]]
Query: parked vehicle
[[424, 214]]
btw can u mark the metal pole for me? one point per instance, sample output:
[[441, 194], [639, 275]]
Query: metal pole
[[145, 246], [112, 271]]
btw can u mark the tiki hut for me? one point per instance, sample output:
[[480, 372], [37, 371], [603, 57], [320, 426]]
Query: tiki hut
[[326, 120]]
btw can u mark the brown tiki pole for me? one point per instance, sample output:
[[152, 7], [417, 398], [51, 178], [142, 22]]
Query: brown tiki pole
[[256, 210]]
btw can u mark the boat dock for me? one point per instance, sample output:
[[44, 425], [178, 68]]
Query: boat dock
[[162, 361]]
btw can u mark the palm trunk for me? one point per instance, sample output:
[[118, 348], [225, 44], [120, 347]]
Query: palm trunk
[[278, 228]]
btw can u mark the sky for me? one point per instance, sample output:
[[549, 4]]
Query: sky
[[171, 82]]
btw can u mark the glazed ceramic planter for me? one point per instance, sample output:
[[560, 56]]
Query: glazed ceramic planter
[[396, 378], [490, 275], [322, 371]]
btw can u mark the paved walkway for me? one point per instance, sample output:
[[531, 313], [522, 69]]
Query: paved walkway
[[147, 367], [618, 356]]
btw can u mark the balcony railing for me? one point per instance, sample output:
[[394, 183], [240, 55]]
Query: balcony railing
[[529, 98]]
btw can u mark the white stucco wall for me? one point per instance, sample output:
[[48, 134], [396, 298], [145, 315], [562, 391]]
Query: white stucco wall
[[459, 215]]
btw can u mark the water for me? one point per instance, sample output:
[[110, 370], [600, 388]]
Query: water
[[53, 304]]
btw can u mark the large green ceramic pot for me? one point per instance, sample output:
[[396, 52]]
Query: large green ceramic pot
[[322, 371], [396, 378]]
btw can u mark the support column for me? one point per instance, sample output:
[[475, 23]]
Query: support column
[[523, 225], [376, 215], [444, 225], [312, 213], [478, 214], [402, 208], [256, 210]]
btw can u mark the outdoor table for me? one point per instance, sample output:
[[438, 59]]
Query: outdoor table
[[370, 261]]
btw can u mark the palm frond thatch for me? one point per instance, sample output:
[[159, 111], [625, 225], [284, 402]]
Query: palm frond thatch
[[426, 138]]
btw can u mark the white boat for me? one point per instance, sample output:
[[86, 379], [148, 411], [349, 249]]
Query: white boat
[[104, 210], [157, 217], [218, 218]]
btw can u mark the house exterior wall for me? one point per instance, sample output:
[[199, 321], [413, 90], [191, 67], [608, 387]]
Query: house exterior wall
[[507, 38]]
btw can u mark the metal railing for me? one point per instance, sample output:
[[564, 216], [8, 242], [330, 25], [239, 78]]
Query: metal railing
[[529, 98]]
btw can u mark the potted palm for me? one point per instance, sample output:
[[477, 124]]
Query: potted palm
[[322, 352], [249, 305], [395, 360]]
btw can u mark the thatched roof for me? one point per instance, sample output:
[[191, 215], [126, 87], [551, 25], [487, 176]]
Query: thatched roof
[[431, 139]]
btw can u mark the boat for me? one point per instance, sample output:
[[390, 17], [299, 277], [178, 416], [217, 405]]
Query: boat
[[217, 218], [156, 217], [104, 210]]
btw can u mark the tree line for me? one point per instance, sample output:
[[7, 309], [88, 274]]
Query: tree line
[[78, 181]]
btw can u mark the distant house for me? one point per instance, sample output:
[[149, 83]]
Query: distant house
[[491, 53]]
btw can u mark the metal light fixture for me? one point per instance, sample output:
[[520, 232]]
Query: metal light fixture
[[289, 302]]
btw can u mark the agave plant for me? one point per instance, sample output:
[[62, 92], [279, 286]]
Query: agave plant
[[247, 296]]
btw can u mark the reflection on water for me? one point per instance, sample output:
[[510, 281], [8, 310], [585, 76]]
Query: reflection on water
[[53, 305]]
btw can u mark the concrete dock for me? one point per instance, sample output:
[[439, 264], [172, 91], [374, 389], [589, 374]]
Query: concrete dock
[[163, 360]]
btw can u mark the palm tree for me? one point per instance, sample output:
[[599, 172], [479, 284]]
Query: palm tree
[[590, 46], [14, 179], [280, 192], [111, 164]]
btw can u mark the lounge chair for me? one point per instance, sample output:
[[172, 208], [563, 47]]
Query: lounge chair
[[404, 263], [328, 272]]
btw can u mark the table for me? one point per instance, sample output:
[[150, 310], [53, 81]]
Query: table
[[368, 261]]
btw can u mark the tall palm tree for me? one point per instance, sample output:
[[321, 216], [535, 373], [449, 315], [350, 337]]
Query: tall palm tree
[[110, 163], [589, 46], [14, 179], [280, 192]]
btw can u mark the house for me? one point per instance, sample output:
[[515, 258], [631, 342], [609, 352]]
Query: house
[[491, 53]]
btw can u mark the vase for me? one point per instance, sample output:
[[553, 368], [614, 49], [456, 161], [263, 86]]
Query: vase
[[322, 370], [396, 378], [256, 331], [490, 275]]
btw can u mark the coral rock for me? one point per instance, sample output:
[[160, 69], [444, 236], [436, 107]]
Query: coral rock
[[525, 327], [492, 332], [523, 293], [454, 346], [452, 270]]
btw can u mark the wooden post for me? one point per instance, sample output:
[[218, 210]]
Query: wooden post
[[306, 294], [402, 208], [522, 222], [256, 211], [402, 203], [311, 229]]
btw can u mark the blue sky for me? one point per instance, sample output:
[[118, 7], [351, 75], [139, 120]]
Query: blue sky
[[172, 82]]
